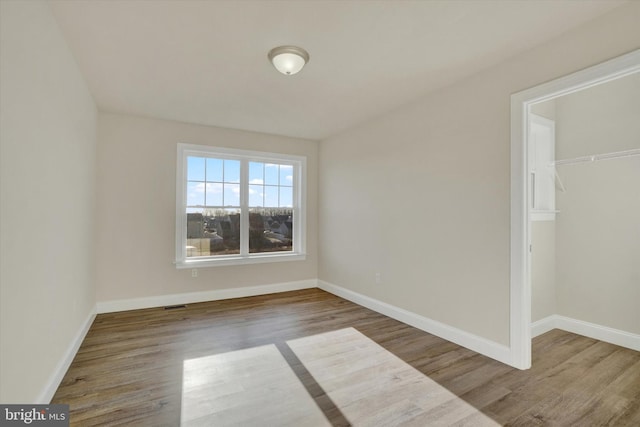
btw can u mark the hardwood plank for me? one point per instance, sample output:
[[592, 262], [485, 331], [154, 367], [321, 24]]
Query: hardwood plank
[[245, 387], [589, 399], [130, 370]]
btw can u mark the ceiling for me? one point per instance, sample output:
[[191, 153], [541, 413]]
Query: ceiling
[[205, 62]]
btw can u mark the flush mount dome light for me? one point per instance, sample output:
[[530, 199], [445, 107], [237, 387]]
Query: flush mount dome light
[[288, 59]]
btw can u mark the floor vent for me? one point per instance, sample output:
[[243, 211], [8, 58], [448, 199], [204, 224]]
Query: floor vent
[[173, 307]]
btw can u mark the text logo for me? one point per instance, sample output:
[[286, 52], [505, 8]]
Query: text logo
[[34, 415]]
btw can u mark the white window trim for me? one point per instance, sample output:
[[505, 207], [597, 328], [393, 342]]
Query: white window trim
[[245, 156]]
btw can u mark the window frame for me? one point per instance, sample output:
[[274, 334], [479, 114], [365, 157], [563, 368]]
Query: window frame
[[244, 156]]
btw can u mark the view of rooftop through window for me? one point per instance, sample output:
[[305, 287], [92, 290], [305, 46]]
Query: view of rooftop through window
[[215, 206]]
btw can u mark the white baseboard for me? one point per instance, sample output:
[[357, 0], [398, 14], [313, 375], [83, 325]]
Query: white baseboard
[[193, 297], [63, 365], [56, 377], [543, 326], [587, 329], [473, 342]]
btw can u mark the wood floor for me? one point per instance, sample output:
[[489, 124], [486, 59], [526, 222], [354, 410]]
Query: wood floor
[[309, 358]]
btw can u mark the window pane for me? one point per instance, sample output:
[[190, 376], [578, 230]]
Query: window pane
[[232, 194], [271, 172], [286, 197], [214, 170], [195, 168], [270, 230], [195, 193], [286, 175], [256, 173], [271, 197], [256, 195], [214, 194], [238, 206], [232, 171], [213, 232]]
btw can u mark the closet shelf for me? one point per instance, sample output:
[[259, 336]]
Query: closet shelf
[[596, 157]]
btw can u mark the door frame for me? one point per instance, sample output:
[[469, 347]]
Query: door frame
[[521, 102]]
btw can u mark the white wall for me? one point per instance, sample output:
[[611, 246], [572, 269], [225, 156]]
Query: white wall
[[422, 196], [598, 228], [47, 142], [136, 209], [543, 253], [543, 270], [546, 109]]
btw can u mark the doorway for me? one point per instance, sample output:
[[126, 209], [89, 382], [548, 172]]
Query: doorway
[[522, 189]]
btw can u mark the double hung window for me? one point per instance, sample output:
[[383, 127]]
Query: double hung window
[[236, 206]]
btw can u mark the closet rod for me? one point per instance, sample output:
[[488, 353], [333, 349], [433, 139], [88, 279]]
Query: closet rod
[[596, 157]]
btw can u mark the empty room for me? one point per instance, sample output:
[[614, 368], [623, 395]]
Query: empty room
[[320, 213]]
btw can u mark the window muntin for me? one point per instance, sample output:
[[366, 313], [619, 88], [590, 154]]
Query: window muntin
[[236, 206]]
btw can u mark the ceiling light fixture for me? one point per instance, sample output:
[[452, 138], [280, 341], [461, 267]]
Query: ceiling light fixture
[[288, 59]]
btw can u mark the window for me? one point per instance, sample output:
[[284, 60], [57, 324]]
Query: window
[[237, 207]]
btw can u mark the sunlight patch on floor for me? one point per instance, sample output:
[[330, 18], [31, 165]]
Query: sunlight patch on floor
[[373, 387], [368, 384], [252, 387]]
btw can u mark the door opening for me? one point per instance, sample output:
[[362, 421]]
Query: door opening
[[522, 188]]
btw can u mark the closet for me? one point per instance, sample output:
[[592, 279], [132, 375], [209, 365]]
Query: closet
[[585, 257]]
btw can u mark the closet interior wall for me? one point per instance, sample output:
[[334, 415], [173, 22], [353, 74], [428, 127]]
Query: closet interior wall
[[586, 263]]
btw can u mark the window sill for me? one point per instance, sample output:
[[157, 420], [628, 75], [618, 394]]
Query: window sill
[[238, 260]]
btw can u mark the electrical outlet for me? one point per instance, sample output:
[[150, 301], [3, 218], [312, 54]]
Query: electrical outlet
[[378, 278], [194, 272]]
